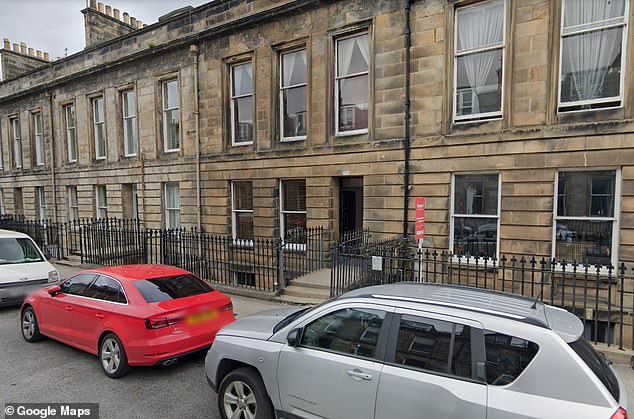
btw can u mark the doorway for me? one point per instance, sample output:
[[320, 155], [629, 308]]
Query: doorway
[[350, 204]]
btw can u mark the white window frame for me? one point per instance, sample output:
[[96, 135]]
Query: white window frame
[[337, 78], [283, 88], [101, 208], [168, 209], [73, 203], [502, 46], [235, 211], [290, 246], [71, 133], [232, 100], [166, 109], [16, 136], [125, 118], [38, 133], [611, 23], [615, 218], [40, 195], [453, 216], [96, 124], [2, 208]]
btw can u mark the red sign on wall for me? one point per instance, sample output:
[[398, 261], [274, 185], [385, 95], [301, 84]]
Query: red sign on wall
[[420, 218]]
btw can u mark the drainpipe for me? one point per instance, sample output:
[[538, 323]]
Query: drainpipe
[[408, 43], [194, 50], [49, 96]]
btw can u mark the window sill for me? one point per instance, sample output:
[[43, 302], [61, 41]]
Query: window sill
[[352, 133], [241, 144], [477, 118], [292, 139], [170, 151]]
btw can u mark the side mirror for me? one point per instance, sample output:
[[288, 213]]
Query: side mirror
[[294, 337], [53, 290]]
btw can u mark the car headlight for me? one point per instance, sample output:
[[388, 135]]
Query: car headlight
[[53, 276]]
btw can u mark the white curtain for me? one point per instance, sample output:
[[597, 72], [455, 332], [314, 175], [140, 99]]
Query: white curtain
[[346, 52], [471, 192], [590, 53], [242, 80], [173, 198], [479, 27], [291, 61]]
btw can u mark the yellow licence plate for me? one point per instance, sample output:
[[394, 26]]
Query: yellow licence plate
[[201, 317]]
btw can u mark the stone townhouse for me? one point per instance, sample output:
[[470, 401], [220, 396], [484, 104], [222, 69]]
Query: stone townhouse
[[513, 118]]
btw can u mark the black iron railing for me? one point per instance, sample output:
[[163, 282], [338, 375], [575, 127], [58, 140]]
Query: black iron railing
[[261, 263], [602, 296]]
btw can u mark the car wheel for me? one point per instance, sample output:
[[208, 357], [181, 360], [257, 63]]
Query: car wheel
[[30, 328], [242, 395], [112, 357]]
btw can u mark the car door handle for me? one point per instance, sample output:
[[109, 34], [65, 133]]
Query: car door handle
[[68, 308], [359, 375], [99, 316]]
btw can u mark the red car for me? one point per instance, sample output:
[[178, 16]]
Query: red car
[[129, 315]]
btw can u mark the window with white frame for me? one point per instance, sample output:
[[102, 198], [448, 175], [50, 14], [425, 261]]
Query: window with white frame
[[242, 103], [592, 51], [73, 205], [293, 211], [40, 197], [99, 128], [171, 116], [101, 202], [585, 217], [475, 215], [17, 142], [71, 137], [293, 95], [172, 206], [352, 84], [128, 105], [242, 210], [2, 208], [479, 61], [38, 138]]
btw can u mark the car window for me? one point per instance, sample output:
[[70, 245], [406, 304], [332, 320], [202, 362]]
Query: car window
[[352, 331], [77, 285], [18, 250], [170, 288], [434, 345], [599, 365], [506, 357], [107, 289]]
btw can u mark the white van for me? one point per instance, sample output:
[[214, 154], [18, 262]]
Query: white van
[[23, 267]]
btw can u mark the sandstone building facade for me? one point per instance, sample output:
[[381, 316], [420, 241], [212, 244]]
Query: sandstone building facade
[[256, 117]]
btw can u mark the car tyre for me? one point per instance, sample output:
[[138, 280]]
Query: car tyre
[[112, 357], [30, 327], [242, 395]]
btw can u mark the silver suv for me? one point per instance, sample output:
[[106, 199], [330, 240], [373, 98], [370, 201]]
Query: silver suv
[[413, 351]]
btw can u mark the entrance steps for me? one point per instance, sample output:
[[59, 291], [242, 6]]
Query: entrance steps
[[312, 288]]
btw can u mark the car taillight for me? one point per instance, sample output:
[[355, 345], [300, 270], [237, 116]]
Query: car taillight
[[227, 307], [619, 414], [159, 322]]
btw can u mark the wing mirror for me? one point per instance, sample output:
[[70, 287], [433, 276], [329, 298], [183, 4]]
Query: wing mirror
[[53, 290], [294, 337]]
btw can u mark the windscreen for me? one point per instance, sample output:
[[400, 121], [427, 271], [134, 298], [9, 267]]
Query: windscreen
[[171, 288], [599, 364], [18, 250]]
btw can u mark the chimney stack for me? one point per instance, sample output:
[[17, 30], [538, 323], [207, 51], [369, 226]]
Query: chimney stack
[[93, 4], [46, 57], [31, 52], [100, 7], [7, 43], [126, 18], [23, 48], [38, 53], [133, 21], [108, 10], [117, 14], [16, 47]]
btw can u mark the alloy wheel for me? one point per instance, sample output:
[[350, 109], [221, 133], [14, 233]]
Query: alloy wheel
[[110, 355], [28, 324], [239, 401]]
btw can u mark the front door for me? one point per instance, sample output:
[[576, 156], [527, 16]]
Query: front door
[[334, 372], [351, 204]]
